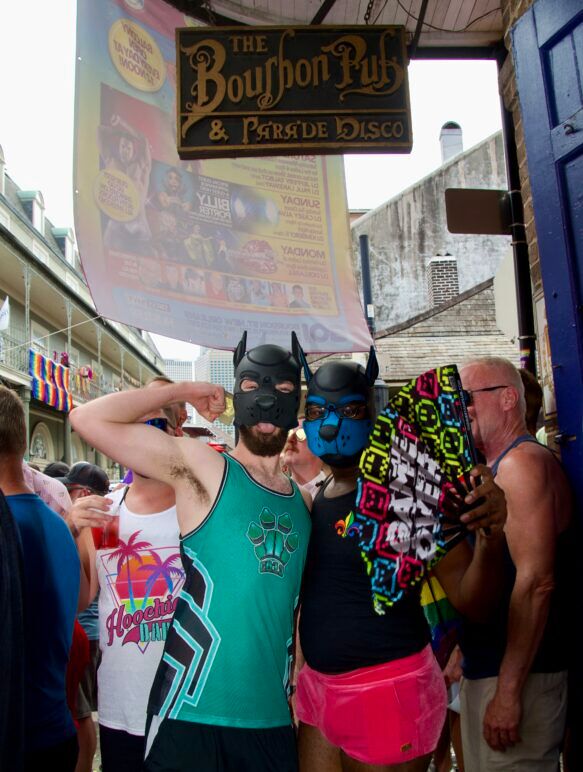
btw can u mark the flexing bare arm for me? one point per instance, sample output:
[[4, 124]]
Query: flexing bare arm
[[190, 467], [537, 498], [110, 424]]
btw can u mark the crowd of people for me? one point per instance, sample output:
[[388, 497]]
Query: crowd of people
[[211, 615]]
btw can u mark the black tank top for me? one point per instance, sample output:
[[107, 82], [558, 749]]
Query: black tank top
[[483, 645], [339, 628]]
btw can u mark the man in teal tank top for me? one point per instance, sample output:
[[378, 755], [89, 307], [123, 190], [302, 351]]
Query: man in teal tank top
[[219, 699]]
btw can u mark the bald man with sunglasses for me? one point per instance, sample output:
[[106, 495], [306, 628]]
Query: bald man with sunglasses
[[513, 696], [305, 469]]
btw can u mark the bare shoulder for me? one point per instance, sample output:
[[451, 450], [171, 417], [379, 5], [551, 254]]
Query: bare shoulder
[[530, 463], [535, 483]]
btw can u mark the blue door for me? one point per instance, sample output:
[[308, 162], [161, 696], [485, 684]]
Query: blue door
[[547, 45]]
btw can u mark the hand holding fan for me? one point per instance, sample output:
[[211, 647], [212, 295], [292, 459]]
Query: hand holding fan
[[411, 491]]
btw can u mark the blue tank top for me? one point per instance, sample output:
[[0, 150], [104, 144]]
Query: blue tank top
[[483, 645], [50, 595]]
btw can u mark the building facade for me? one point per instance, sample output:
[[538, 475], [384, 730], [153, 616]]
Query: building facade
[[55, 351], [409, 240]]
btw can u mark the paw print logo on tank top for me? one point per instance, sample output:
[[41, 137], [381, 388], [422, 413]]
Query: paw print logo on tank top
[[273, 540]]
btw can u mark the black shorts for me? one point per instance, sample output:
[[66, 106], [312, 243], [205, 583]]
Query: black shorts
[[58, 758], [121, 751], [183, 746]]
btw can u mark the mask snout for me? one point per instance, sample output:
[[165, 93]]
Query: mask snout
[[329, 432], [265, 402]]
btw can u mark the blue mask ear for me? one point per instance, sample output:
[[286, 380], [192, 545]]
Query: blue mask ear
[[372, 367], [298, 353], [239, 352]]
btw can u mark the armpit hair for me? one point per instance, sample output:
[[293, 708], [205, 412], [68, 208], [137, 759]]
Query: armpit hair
[[179, 470]]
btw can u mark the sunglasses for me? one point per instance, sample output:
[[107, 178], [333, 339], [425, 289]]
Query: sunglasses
[[355, 410], [299, 435], [158, 423], [468, 395]]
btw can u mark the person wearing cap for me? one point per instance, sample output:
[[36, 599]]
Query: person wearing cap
[[56, 469], [219, 699], [305, 469], [84, 479]]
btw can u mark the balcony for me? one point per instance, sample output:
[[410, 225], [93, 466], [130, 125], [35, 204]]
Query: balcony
[[14, 355], [84, 389], [14, 350]]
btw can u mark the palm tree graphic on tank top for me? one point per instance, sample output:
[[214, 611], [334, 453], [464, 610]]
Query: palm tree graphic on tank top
[[123, 554], [143, 585], [164, 570]]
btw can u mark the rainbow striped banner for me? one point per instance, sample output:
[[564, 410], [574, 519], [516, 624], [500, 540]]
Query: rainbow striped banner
[[50, 382]]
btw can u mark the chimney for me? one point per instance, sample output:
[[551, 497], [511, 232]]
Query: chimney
[[451, 140], [442, 279]]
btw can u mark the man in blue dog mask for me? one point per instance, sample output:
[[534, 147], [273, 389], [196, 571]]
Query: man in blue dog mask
[[338, 420], [354, 657]]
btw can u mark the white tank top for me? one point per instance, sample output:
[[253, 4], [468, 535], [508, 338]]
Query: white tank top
[[139, 582]]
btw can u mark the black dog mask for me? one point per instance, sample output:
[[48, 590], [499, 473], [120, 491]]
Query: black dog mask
[[267, 365]]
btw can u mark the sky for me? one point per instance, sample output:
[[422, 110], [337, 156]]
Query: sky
[[37, 85]]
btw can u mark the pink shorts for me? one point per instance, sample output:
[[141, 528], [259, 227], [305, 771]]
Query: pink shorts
[[387, 714]]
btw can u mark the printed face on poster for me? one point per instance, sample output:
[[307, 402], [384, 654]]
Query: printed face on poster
[[198, 250]]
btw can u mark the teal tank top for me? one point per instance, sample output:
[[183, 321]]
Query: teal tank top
[[227, 655]]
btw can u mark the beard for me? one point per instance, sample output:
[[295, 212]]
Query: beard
[[263, 445]]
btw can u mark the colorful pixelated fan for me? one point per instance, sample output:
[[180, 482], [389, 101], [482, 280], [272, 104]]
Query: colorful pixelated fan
[[414, 473]]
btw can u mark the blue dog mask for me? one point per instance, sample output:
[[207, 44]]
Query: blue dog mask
[[337, 421]]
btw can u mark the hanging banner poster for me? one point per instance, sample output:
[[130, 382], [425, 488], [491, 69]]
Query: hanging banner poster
[[198, 250]]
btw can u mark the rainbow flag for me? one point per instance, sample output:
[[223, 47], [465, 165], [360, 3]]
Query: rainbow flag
[[50, 382]]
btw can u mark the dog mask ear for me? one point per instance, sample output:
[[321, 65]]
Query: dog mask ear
[[300, 357], [372, 367], [239, 352]]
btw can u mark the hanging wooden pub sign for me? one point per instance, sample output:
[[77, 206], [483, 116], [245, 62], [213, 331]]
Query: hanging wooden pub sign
[[290, 90]]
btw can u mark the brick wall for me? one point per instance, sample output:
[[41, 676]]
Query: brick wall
[[512, 10]]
